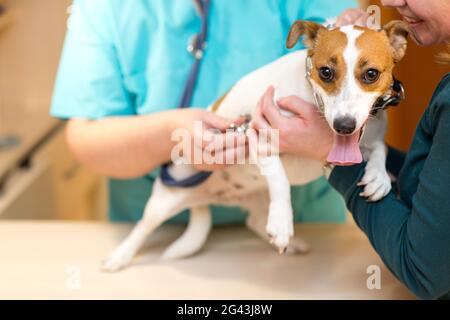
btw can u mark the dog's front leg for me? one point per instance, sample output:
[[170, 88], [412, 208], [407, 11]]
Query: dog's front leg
[[257, 222], [376, 180], [280, 223]]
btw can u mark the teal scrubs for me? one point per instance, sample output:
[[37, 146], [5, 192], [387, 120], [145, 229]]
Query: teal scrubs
[[129, 57]]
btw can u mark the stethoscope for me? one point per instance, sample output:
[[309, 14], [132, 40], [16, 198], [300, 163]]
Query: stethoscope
[[196, 47]]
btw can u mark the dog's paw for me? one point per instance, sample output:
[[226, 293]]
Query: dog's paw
[[376, 183], [280, 226], [116, 262]]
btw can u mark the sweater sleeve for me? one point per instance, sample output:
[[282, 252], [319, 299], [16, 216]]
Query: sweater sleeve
[[413, 241], [395, 160]]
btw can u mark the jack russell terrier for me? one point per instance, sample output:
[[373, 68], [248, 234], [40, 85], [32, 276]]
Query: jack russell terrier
[[349, 77]]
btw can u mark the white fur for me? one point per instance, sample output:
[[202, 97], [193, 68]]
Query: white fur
[[353, 101], [194, 237], [264, 187], [376, 180]]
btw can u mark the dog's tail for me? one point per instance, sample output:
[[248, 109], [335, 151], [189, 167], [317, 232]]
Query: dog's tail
[[192, 240]]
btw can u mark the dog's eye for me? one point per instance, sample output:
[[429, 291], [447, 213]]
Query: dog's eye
[[326, 74], [370, 76]]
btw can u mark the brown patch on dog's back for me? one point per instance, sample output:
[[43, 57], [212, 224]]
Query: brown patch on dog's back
[[375, 53], [218, 102], [329, 52], [238, 186], [225, 175], [360, 28]]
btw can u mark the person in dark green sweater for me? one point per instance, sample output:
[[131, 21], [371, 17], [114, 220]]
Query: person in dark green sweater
[[410, 227]]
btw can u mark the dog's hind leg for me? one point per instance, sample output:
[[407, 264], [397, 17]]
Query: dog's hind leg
[[162, 205], [194, 237]]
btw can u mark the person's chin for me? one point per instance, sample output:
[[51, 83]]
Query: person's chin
[[422, 35]]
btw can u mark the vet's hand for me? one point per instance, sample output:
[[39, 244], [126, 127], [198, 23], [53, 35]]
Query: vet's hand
[[357, 17], [306, 133], [209, 139]]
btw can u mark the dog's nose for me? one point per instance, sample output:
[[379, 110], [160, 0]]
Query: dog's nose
[[344, 125]]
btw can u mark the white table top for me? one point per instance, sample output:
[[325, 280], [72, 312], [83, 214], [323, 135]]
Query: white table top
[[46, 259]]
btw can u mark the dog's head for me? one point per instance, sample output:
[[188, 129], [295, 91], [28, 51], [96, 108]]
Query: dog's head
[[350, 69]]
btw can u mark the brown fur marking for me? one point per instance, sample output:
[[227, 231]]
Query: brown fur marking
[[328, 52], [375, 53], [218, 102], [303, 28]]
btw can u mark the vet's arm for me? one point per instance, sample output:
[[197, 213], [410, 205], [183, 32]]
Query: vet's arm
[[128, 147], [412, 241]]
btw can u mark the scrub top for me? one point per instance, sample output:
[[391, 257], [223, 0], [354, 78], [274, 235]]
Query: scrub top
[[129, 57]]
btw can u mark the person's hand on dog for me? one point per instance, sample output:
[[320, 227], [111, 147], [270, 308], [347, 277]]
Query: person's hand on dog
[[357, 17], [209, 138], [306, 133]]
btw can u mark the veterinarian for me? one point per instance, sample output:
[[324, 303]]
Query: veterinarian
[[122, 74], [410, 228]]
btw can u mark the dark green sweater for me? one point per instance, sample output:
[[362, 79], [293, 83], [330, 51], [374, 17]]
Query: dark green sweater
[[410, 228]]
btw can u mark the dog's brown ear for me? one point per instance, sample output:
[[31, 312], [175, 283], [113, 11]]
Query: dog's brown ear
[[303, 28], [397, 32]]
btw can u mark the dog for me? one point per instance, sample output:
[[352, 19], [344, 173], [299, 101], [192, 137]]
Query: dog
[[348, 70]]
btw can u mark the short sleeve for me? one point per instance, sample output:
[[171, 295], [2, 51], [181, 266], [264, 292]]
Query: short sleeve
[[89, 82]]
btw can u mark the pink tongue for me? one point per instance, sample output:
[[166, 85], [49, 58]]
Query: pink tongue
[[345, 150]]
